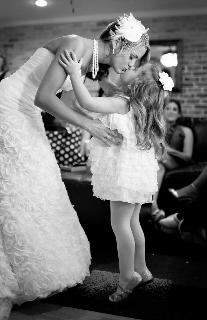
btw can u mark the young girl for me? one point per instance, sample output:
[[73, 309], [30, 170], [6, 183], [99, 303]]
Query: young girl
[[126, 174]]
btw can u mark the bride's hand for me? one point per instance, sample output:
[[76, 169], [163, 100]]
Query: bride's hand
[[107, 136], [84, 147]]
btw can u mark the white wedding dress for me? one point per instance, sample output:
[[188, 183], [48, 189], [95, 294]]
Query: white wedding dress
[[43, 248]]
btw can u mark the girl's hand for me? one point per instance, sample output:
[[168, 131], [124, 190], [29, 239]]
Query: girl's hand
[[107, 136], [69, 62]]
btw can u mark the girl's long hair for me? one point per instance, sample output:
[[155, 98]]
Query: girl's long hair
[[147, 100]]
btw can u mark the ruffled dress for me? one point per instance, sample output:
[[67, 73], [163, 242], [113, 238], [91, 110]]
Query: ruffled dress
[[125, 172], [43, 247]]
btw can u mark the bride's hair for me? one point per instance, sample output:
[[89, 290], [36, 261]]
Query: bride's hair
[[111, 29]]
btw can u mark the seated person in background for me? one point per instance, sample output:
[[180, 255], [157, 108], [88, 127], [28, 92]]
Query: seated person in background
[[192, 216], [190, 222], [179, 141], [190, 192]]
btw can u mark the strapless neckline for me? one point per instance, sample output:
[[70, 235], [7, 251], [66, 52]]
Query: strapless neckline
[[43, 49]]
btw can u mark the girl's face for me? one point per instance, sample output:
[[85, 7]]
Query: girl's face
[[127, 59], [132, 74], [171, 112]]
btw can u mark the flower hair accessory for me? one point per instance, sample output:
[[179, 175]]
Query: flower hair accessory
[[166, 81], [131, 30]]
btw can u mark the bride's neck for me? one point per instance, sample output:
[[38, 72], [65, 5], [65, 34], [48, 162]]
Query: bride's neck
[[103, 52]]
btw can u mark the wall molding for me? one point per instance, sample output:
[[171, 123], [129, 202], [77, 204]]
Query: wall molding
[[102, 17]]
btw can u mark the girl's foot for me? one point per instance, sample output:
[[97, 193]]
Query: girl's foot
[[5, 309], [147, 276], [123, 291]]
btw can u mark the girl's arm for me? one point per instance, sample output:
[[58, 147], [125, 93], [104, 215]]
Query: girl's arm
[[95, 104], [47, 100]]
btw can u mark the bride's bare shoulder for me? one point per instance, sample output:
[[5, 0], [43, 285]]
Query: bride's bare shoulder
[[69, 42], [72, 39]]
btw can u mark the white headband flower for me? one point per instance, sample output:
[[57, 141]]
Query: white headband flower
[[129, 28], [166, 81]]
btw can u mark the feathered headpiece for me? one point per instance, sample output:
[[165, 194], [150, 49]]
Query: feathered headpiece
[[131, 31]]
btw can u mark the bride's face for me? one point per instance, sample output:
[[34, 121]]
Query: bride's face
[[127, 59]]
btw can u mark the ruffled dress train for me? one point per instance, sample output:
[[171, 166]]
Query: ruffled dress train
[[43, 247]]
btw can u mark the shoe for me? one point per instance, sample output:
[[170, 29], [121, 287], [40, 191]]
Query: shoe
[[147, 277], [122, 293], [168, 231], [157, 215], [170, 224], [187, 194]]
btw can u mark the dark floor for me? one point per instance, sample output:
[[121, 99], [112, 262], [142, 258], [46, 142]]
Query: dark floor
[[43, 311], [178, 292], [187, 266], [179, 269], [168, 258]]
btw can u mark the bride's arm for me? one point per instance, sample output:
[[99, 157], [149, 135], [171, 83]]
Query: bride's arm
[[52, 81], [69, 99], [47, 100]]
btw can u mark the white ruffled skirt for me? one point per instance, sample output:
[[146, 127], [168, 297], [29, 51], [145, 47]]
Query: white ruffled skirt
[[123, 173]]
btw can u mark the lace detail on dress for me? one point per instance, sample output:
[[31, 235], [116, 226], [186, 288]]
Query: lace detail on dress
[[43, 248]]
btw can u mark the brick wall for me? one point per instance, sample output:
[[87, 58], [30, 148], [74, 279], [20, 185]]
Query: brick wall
[[19, 42]]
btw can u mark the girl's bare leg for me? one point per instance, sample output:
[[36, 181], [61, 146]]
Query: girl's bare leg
[[139, 238], [121, 214]]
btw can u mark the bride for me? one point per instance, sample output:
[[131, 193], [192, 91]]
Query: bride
[[43, 248]]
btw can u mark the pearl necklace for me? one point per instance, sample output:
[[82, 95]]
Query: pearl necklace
[[95, 65]]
